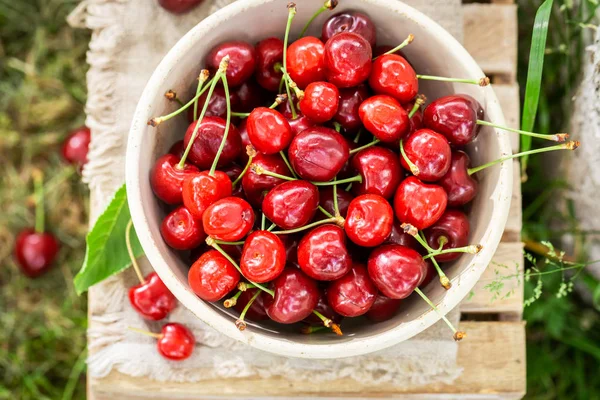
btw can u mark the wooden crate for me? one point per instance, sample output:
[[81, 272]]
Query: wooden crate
[[493, 356]]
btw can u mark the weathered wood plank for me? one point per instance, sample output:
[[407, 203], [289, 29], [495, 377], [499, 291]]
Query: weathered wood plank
[[508, 95]]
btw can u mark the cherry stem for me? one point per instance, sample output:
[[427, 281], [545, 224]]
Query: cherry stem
[[348, 188], [419, 101], [134, 263], [357, 137], [337, 126], [329, 5], [305, 227], [336, 207], [201, 79], [278, 100], [413, 168], [471, 249], [329, 323], [357, 178], [232, 301], [271, 227], [229, 243], [40, 212], [240, 324], [307, 330], [443, 278], [143, 332], [213, 168], [366, 146], [257, 169], [481, 82], [402, 45], [559, 137], [291, 13], [263, 221], [243, 286], [251, 153], [324, 211], [287, 162], [565, 146], [458, 335]]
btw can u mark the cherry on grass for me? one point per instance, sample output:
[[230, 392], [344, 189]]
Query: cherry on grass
[[392, 75], [242, 61], [263, 256], [181, 230], [291, 204], [151, 298], [326, 200], [380, 170], [419, 204], [452, 229], [296, 296], [353, 294], [179, 6], [369, 220], [383, 308], [166, 178], [76, 145], [430, 152], [256, 186], [268, 130], [347, 59], [35, 251], [320, 101], [212, 276], [202, 189], [385, 118], [306, 61], [322, 253], [350, 21], [458, 184], [208, 140], [396, 270], [228, 219]]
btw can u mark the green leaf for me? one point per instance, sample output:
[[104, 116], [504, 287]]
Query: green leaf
[[596, 298], [106, 251], [534, 75]]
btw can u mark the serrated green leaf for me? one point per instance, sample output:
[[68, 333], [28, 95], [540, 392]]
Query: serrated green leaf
[[106, 251]]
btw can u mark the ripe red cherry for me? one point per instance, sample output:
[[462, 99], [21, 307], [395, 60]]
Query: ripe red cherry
[[35, 252], [208, 140], [268, 53], [380, 170], [369, 220], [179, 6], [347, 112], [347, 59], [296, 296], [250, 96], [166, 178], [320, 102], [212, 276], [177, 149], [257, 186], [394, 76], [152, 299], [176, 342], [458, 184], [298, 124], [452, 225], [350, 21], [383, 309], [263, 257], [385, 118], [430, 152], [454, 117], [416, 121], [243, 130], [396, 270], [256, 312], [228, 219], [291, 248], [326, 200], [268, 130], [324, 309], [418, 203], [242, 61], [201, 190], [398, 236], [75, 147], [305, 61], [181, 230], [353, 294], [322, 253], [217, 105], [291, 204], [429, 275], [318, 154]]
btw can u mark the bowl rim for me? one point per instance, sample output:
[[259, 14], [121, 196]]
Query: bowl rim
[[280, 345]]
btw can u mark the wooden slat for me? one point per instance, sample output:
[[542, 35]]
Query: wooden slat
[[512, 232], [508, 95]]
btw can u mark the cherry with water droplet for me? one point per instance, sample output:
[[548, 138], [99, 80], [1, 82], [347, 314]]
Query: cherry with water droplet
[[393, 75], [430, 152], [268, 130], [380, 170]]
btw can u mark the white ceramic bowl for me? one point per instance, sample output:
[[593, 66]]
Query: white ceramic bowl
[[433, 52]]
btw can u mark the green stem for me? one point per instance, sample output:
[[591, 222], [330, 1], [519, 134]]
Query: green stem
[[229, 243], [337, 126], [239, 178], [348, 188], [56, 180], [357, 137], [366, 146], [287, 162], [336, 208], [559, 137], [402, 45], [271, 227], [413, 168], [232, 301], [291, 14], [257, 169], [466, 249], [357, 178], [481, 82], [424, 297], [305, 227], [263, 221], [324, 211], [134, 263], [247, 307], [40, 211], [213, 168], [143, 332], [418, 103], [329, 5], [201, 79]]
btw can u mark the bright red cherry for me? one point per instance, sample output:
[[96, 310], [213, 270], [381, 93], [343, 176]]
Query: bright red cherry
[[398, 236], [454, 117], [296, 296], [383, 309], [347, 112], [347, 59], [176, 342], [394, 76], [152, 299], [75, 147], [208, 140], [350, 21], [318, 154], [242, 61], [418, 203], [453, 225], [181, 230], [369, 220], [380, 170], [268, 130], [326, 200], [291, 204], [166, 178], [256, 312], [396, 270], [458, 184], [320, 102], [217, 105], [35, 252], [324, 309], [263, 257], [268, 53], [385, 118], [212, 276], [179, 6], [430, 152], [257, 186], [322, 253], [201, 190], [353, 294], [228, 219], [177, 149], [305, 61]]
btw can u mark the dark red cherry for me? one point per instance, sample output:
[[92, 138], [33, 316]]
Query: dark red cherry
[[181, 230], [394, 76], [305, 61], [383, 309], [256, 312], [179, 6], [347, 113], [326, 200], [35, 252], [263, 257], [385, 118], [251, 95], [353, 294], [257, 186], [166, 179], [233, 171], [291, 248], [350, 21], [453, 225], [347, 59], [458, 184], [430, 152], [217, 105], [396, 270], [176, 342], [322, 253], [398, 236], [418, 203], [75, 147], [177, 149], [416, 121], [318, 154], [380, 170], [298, 124], [243, 130], [454, 117], [369, 220], [347, 171], [242, 61], [208, 140], [152, 299], [320, 101], [324, 309], [291, 204], [201, 190], [296, 296], [228, 219], [429, 275], [212, 276], [268, 130], [268, 53]]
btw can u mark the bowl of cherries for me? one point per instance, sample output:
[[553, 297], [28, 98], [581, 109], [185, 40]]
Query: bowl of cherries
[[319, 180]]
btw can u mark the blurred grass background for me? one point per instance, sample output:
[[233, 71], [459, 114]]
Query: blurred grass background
[[42, 96]]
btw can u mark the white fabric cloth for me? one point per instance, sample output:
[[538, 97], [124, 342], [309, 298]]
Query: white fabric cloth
[[129, 39]]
